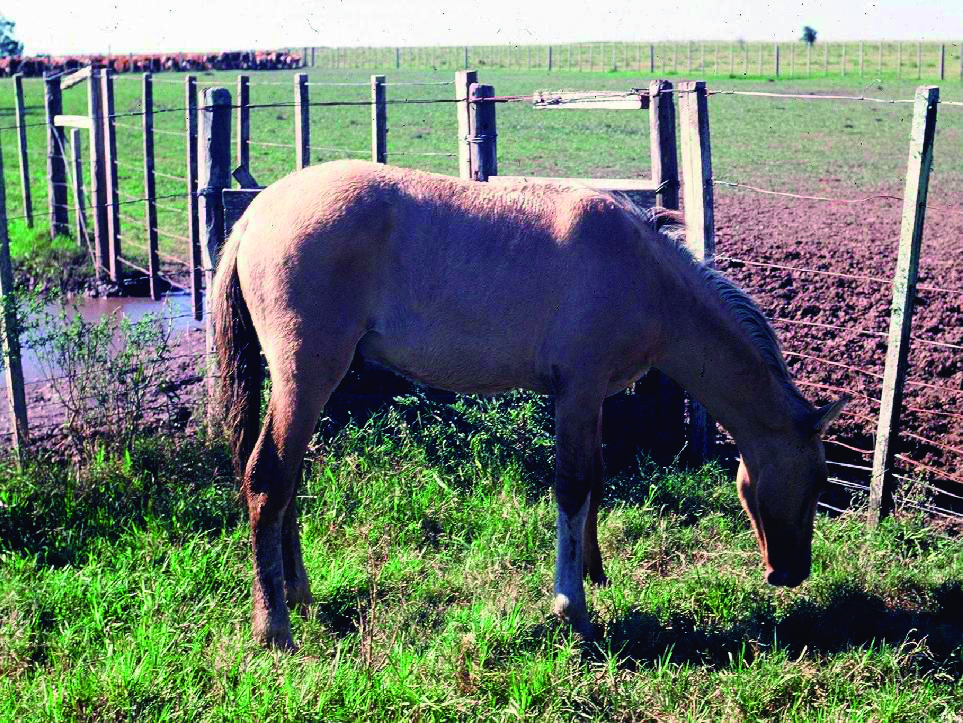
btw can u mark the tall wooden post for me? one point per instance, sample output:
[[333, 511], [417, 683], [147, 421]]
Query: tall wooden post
[[113, 192], [549, 58], [651, 58], [22, 148], [942, 61], [463, 81], [481, 132], [700, 223], [10, 336], [904, 293], [81, 228], [302, 122], [98, 172], [214, 175], [56, 165], [776, 63], [397, 58], [150, 188], [379, 120], [193, 217], [243, 122]]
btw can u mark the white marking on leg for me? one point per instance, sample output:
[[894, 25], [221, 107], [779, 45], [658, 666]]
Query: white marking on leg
[[569, 591]]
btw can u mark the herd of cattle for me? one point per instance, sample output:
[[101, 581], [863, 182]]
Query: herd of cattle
[[239, 60]]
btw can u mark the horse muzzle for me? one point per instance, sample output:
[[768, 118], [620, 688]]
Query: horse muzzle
[[786, 578]]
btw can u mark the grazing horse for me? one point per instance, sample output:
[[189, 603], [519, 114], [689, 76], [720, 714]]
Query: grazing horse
[[479, 289]]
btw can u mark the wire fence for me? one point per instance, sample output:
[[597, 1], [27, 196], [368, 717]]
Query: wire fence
[[173, 148]]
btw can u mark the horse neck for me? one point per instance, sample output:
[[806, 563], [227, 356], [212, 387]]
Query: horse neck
[[711, 355]]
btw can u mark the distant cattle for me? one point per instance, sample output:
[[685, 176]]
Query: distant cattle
[[34, 66]]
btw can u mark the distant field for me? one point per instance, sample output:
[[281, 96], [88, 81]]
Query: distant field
[[781, 143]]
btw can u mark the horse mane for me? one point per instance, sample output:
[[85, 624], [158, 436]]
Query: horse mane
[[669, 224]]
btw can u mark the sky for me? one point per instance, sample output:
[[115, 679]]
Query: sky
[[122, 26]]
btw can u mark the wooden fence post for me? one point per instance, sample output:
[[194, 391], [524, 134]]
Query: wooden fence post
[[549, 58], [77, 165], [10, 333], [919, 59], [214, 175], [113, 192], [942, 61], [379, 120], [482, 135], [98, 172], [302, 122], [22, 148], [904, 294], [150, 188], [776, 49], [463, 81], [193, 217], [700, 224], [243, 121], [56, 165], [651, 58]]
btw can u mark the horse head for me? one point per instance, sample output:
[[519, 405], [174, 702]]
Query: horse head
[[779, 486]]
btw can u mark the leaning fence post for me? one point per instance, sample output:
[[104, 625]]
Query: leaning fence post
[[379, 120], [463, 81], [302, 122], [243, 122], [77, 165], [904, 294], [113, 192], [56, 167], [481, 129], [214, 175], [150, 188], [699, 222], [10, 333], [193, 219], [22, 147], [98, 178]]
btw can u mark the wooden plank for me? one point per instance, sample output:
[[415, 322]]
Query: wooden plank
[[22, 149], [80, 215], [236, 201], [302, 122], [98, 180], [463, 80], [663, 145], [214, 175], [75, 78], [56, 163], [700, 223], [379, 120], [72, 121], [10, 338], [150, 188], [110, 166], [598, 184], [243, 121], [904, 293], [482, 137], [590, 100], [193, 218]]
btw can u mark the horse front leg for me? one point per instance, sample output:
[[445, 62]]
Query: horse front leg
[[578, 445]]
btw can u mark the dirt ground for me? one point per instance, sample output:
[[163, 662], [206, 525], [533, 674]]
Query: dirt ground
[[858, 239]]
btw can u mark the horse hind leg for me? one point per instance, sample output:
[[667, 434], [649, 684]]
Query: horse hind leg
[[300, 388]]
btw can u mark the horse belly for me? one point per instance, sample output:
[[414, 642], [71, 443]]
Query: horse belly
[[452, 361]]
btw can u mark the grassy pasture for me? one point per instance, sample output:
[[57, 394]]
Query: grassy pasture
[[807, 146], [124, 591], [430, 551]]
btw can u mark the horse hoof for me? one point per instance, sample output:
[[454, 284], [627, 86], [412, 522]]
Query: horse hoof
[[577, 619], [273, 635], [298, 597]]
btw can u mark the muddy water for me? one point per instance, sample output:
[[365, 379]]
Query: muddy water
[[175, 309]]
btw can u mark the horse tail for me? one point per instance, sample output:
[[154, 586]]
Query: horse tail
[[238, 354]]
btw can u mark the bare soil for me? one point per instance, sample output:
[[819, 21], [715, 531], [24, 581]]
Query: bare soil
[[861, 240]]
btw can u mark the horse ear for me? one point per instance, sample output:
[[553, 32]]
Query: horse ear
[[824, 416]]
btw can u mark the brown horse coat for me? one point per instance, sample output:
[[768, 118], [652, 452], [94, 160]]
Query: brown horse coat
[[481, 289]]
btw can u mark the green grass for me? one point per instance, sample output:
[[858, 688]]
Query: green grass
[[40, 261], [124, 593], [845, 147]]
